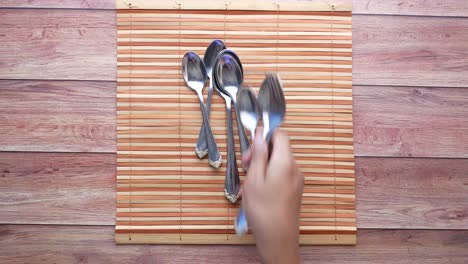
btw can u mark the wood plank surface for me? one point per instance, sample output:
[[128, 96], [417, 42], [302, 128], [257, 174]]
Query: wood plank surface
[[95, 244], [270, 5], [58, 44], [410, 51], [80, 116], [375, 7], [412, 193], [63, 116], [57, 188], [411, 7], [80, 45], [81, 4], [410, 121], [37, 188], [80, 189]]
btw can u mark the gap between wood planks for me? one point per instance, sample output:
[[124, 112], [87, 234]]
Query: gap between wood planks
[[354, 84], [439, 8]]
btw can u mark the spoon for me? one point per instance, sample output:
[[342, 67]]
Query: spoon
[[210, 56], [194, 73], [273, 104], [232, 181], [229, 77], [248, 110], [249, 115]]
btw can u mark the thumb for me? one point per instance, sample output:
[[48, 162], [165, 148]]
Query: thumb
[[259, 159]]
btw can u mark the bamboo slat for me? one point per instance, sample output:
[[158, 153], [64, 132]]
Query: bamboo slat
[[167, 195]]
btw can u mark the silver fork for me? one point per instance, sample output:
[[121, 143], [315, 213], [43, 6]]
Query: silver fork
[[273, 107], [272, 103]]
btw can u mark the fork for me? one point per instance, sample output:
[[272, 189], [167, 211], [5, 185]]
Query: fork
[[272, 103]]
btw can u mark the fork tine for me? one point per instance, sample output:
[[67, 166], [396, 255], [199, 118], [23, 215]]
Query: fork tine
[[280, 90], [269, 80], [270, 84], [277, 89]]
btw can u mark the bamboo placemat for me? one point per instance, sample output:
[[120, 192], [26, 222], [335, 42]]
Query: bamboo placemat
[[165, 194]]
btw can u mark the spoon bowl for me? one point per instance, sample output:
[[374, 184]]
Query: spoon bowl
[[248, 109], [231, 53], [194, 71], [229, 75], [211, 53]]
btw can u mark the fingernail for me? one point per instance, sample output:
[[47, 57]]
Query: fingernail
[[258, 135], [258, 141]]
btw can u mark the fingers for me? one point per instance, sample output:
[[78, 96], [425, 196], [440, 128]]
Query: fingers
[[247, 155], [246, 158], [241, 192], [281, 161], [281, 146], [259, 160]]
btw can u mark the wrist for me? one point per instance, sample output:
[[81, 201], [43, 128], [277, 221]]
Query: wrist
[[288, 255], [279, 249]]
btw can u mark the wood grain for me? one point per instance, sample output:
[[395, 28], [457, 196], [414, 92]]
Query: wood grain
[[80, 189], [411, 7], [80, 45], [412, 193], [53, 40], [410, 121], [68, 116], [80, 116], [95, 244], [53, 188], [284, 5], [81, 4], [410, 51], [374, 7], [58, 44]]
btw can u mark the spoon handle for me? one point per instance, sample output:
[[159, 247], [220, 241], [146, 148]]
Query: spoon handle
[[244, 142], [214, 157], [240, 223], [202, 147], [232, 181]]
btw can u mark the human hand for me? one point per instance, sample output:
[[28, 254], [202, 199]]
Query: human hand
[[271, 198]]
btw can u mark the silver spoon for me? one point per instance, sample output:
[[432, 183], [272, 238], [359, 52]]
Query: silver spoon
[[248, 109], [232, 181], [194, 73], [273, 104], [210, 56], [229, 76], [249, 115]]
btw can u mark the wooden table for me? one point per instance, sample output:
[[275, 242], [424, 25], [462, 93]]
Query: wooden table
[[57, 127]]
